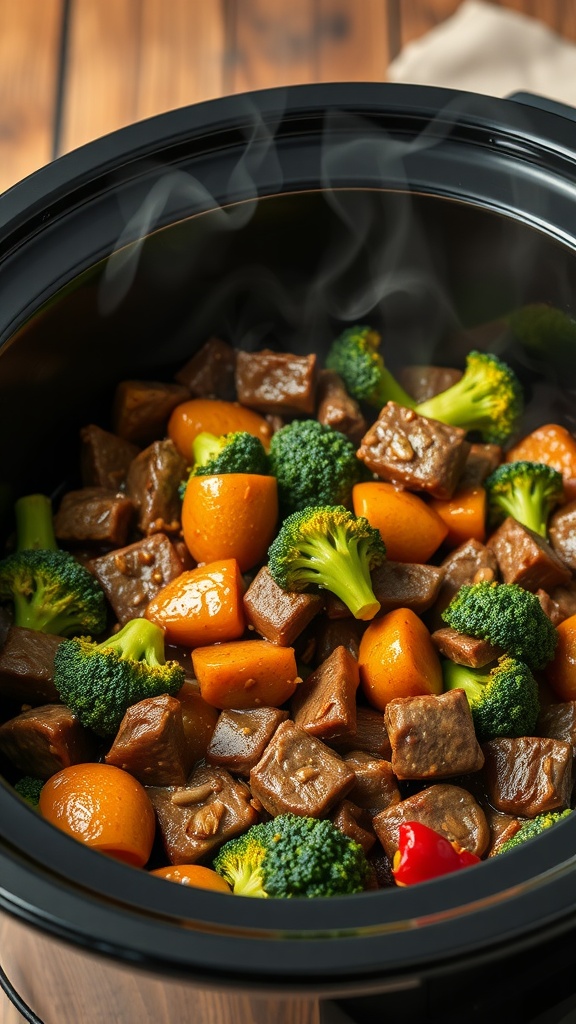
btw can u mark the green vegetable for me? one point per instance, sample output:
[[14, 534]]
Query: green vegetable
[[29, 789], [329, 547], [99, 682], [527, 491], [355, 356], [237, 452], [532, 828], [313, 465], [293, 856], [487, 398], [50, 591], [503, 699], [507, 616]]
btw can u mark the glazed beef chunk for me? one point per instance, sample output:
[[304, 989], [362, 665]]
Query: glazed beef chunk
[[558, 722], [104, 457], [526, 558], [42, 741], [376, 786], [355, 822], [27, 666], [432, 737], [152, 484], [94, 515], [278, 383], [370, 735], [450, 810], [131, 576], [210, 372], [468, 563], [406, 585], [529, 775], [240, 738], [324, 704], [337, 409], [562, 533], [423, 381], [151, 744], [278, 615], [464, 649], [142, 408]]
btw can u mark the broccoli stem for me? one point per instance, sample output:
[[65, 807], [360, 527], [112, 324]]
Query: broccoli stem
[[34, 524], [458, 677], [343, 569], [245, 879], [389, 390], [462, 405], [528, 506], [205, 447], [138, 640]]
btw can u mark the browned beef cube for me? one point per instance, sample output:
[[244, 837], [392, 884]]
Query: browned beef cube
[[406, 585], [423, 381], [276, 382], [529, 775], [152, 483], [27, 666], [550, 607], [142, 408], [94, 515], [197, 818], [331, 633], [42, 741], [565, 599], [240, 738], [337, 409], [469, 563], [450, 810], [558, 722], [299, 774], [419, 453], [210, 372], [432, 737], [464, 649], [562, 533], [278, 615], [325, 703], [502, 827], [104, 457], [376, 786], [482, 460], [525, 558], [131, 576], [151, 744], [371, 735], [355, 822]]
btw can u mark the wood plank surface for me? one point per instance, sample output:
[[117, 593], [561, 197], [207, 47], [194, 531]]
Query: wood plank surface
[[29, 52], [352, 41]]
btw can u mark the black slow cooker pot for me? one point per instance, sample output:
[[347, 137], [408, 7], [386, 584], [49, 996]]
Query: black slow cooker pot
[[274, 219]]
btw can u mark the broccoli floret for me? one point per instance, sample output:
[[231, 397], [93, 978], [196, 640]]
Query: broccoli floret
[[527, 491], [237, 452], [532, 828], [29, 789], [329, 547], [313, 464], [293, 856], [507, 616], [355, 356], [503, 699], [487, 398], [50, 591], [99, 682]]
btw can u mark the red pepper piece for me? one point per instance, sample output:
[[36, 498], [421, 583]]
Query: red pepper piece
[[424, 854]]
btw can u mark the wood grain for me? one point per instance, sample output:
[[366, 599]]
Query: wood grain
[[29, 51], [419, 16], [271, 44], [352, 41]]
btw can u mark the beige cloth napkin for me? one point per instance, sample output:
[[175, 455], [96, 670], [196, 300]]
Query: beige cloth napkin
[[488, 49]]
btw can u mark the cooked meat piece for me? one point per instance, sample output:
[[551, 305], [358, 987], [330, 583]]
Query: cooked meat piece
[[406, 585], [468, 563], [299, 774], [210, 372], [529, 775], [420, 453], [330, 634], [198, 717], [27, 666], [142, 408], [502, 827], [482, 460], [432, 737], [525, 558], [562, 533], [94, 515], [335, 608], [42, 741], [278, 615], [371, 735], [240, 738], [104, 458], [276, 382], [449, 810], [423, 382], [324, 704], [550, 607], [131, 576], [5, 624], [337, 409], [152, 483], [376, 786], [355, 822], [197, 818], [151, 744], [464, 649], [558, 722], [565, 599]]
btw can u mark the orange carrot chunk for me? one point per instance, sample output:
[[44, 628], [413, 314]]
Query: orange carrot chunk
[[561, 671], [231, 515], [398, 659], [464, 514], [410, 528], [201, 606], [553, 445], [245, 674], [215, 416]]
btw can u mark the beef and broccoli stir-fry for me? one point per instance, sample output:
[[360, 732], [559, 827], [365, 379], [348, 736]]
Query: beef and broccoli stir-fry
[[299, 629]]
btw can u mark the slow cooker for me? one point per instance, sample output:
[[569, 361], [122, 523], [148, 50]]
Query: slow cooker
[[274, 218]]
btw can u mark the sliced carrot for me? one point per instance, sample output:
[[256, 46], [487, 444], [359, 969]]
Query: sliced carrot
[[411, 530], [193, 874], [198, 718], [561, 671], [553, 445], [245, 674], [398, 659], [215, 416], [464, 515], [201, 606], [233, 515]]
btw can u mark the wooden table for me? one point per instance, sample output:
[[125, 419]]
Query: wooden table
[[72, 70]]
